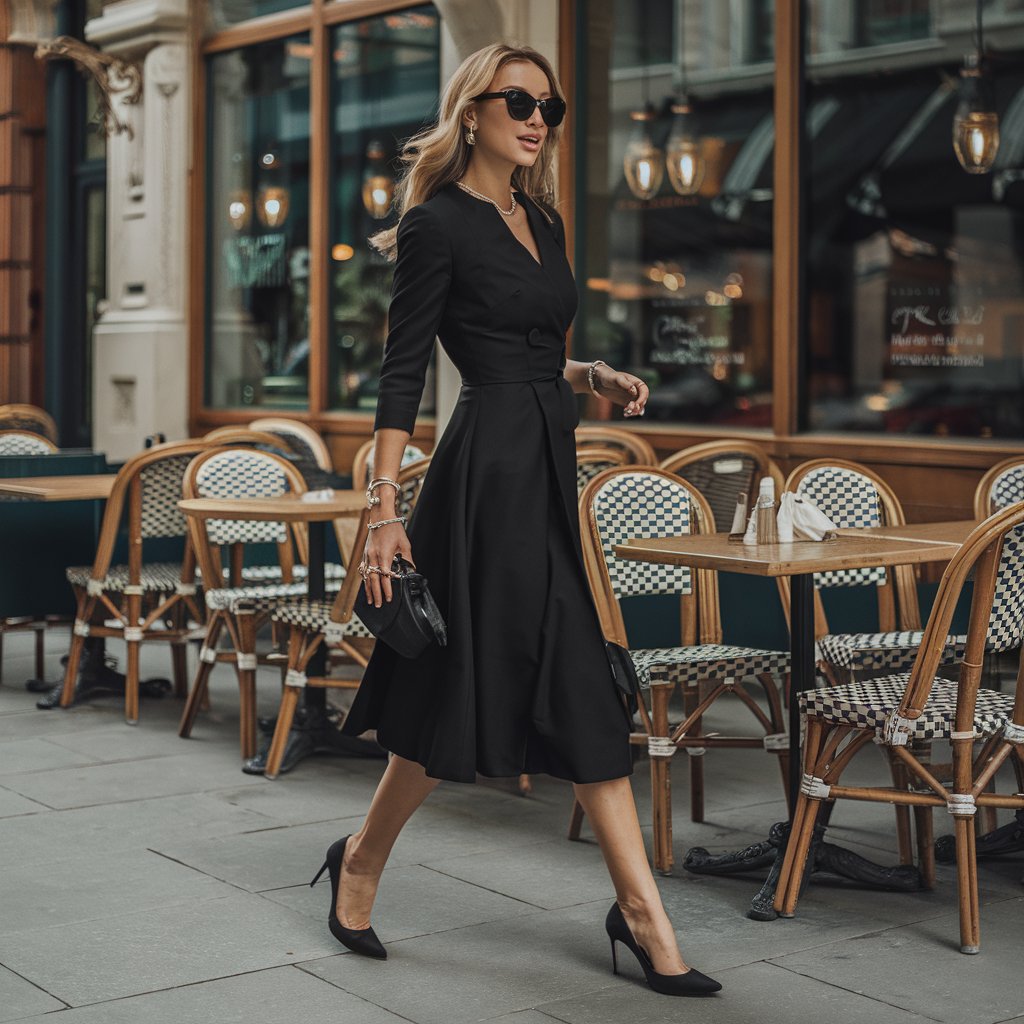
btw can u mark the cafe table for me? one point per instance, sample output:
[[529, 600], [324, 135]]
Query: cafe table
[[799, 561], [94, 676], [312, 730]]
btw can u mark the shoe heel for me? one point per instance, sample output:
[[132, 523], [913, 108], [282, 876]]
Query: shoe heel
[[316, 878], [615, 959]]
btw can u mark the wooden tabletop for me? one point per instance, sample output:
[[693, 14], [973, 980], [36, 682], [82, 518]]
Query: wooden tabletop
[[852, 549], [92, 487], [287, 508]]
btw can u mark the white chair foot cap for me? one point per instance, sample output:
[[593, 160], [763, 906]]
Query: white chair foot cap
[[970, 950], [786, 916], [131, 721]]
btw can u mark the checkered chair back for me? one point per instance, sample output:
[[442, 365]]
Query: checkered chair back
[[849, 499], [1006, 623], [591, 461], [241, 473], [20, 442], [161, 492], [637, 504], [1007, 488], [410, 477]]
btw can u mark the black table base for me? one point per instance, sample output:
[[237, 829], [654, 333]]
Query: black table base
[[823, 857], [315, 730], [1000, 842], [96, 678]]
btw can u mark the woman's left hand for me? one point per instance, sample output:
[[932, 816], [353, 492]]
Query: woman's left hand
[[622, 388]]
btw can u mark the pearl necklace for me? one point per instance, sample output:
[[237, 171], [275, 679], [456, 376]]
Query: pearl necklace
[[488, 199]]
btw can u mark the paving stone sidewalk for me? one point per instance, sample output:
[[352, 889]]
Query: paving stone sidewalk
[[146, 880]]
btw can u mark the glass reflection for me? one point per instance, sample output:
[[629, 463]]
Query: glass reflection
[[258, 226]]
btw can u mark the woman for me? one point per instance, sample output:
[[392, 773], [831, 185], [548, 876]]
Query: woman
[[524, 683]]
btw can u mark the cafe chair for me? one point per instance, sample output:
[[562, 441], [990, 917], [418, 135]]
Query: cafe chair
[[591, 460], [24, 442], [628, 502], [18, 441], [301, 437], [362, 463], [30, 418], [313, 624], [1000, 487], [852, 495], [238, 609], [721, 471], [141, 601], [640, 451], [905, 712]]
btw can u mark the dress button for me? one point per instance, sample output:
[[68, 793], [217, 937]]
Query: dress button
[[534, 337]]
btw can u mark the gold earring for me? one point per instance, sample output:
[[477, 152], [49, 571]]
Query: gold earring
[[471, 136]]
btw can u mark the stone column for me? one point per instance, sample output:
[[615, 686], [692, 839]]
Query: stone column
[[140, 343]]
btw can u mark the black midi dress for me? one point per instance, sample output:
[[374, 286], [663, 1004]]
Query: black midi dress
[[524, 683]]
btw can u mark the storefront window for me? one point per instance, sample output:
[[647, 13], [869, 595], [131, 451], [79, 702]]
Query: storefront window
[[386, 80], [257, 324], [836, 26], [222, 13], [915, 267], [675, 280]]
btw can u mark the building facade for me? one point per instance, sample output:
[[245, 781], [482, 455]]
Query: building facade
[[786, 245]]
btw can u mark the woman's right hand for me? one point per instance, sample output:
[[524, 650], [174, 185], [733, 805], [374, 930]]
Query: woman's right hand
[[381, 547]]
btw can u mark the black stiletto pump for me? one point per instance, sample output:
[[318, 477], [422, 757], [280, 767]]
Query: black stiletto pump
[[692, 983], [360, 940]]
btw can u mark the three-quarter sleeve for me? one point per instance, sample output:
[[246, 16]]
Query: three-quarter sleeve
[[423, 274]]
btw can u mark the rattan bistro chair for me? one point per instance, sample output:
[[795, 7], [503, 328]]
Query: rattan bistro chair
[[1000, 487], [18, 441], [28, 417], [909, 710], [639, 449], [236, 611], [633, 502], [312, 624], [24, 442], [141, 601], [301, 437], [721, 471], [591, 460]]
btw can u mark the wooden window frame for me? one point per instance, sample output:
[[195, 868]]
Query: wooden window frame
[[784, 440]]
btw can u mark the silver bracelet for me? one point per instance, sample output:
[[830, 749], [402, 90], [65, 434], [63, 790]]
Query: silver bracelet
[[590, 373], [384, 522], [373, 499]]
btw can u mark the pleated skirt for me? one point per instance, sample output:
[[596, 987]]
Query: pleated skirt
[[524, 683]]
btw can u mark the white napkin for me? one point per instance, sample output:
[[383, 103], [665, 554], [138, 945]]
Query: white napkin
[[800, 519]]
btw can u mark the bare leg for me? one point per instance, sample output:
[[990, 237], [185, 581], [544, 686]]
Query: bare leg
[[402, 788], [612, 814]]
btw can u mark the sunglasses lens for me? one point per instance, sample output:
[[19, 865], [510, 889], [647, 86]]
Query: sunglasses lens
[[520, 104], [553, 112]]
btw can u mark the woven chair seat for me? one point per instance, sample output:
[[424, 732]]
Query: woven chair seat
[[868, 704], [261, 597], [688, 666], [316, 617], [883, 652], [155, 577], [269, 573]]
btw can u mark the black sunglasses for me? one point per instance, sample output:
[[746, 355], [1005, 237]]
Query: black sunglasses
[[521, 104]]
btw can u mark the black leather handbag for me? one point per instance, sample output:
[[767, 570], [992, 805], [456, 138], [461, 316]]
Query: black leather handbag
[[411, 620], [624, 674]]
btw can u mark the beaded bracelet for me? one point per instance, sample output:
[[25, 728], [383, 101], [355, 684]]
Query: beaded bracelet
[[590, 374]]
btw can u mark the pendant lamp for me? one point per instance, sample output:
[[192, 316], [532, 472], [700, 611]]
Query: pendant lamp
[[976, 123], [682, 153], [644, 163], [378, 184]]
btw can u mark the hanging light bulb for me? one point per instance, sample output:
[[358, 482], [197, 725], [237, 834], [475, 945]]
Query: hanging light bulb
[[683, 157], [272, 205], [644, 162], [378, 184], [975, 123], [239, 208]]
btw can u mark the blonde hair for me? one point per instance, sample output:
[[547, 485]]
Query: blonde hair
[[439, 154]]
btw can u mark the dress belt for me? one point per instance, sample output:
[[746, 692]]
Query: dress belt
[[514, 380]]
